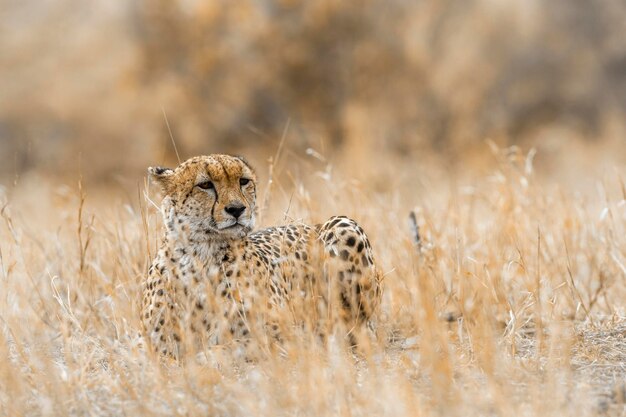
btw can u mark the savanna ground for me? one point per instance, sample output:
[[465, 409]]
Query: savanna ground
[[512, 303]]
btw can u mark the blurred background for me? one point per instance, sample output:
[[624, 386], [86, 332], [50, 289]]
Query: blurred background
[[84, 86]]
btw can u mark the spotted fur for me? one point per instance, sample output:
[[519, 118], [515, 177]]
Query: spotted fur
[[215, 282]]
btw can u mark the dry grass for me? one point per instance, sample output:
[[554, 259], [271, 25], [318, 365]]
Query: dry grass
[[512, 303]]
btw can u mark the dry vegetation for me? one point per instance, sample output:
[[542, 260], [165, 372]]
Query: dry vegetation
[[511, 304], [92, 78]]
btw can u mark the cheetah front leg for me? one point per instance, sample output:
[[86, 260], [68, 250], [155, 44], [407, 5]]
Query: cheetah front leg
[[160, 323]]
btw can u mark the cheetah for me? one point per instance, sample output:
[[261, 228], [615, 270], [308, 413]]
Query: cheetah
[[215, 281]]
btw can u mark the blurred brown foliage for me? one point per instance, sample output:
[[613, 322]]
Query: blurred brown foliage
[[94, 79]]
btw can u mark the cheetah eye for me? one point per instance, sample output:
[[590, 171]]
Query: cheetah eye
[[206, 185], [244, 181]]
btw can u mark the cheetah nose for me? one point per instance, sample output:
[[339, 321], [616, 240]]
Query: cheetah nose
[[235, 210]]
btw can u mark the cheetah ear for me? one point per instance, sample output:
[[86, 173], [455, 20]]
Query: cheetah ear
[[246, 163], [162, 176]]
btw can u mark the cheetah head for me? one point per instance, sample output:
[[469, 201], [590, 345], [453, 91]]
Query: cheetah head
[[208, 197]]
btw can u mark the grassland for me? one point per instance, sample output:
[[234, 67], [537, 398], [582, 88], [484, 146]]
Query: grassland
[[512, 303]]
